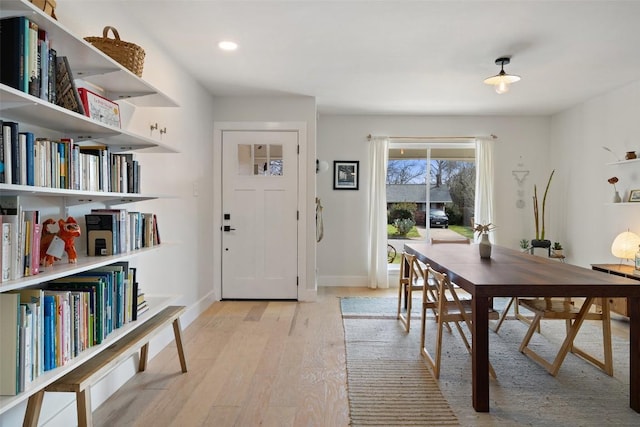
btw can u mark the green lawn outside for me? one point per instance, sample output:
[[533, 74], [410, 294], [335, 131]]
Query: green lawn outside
[[462, 230], [392, 233]]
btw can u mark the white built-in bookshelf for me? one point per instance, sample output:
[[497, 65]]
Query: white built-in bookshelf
[[117, 83]]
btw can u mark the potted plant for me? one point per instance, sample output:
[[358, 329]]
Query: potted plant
[[540, 241], [484, 245], [524, 245], [557, 249]]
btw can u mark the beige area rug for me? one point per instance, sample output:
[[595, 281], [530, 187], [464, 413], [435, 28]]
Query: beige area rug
[[524, 394], [388, 385]]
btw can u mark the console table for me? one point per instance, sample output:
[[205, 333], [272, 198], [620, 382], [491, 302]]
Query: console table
[[618, 305]]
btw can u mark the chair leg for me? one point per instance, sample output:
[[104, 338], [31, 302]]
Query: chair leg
[[568, 341], [532, 328], [436, 367], [401, 285], [408, 299], [503, 315], [607, 364]]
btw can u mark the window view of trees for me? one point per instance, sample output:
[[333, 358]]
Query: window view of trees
[[455, 175]]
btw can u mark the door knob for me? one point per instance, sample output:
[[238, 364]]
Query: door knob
[[228, 228]]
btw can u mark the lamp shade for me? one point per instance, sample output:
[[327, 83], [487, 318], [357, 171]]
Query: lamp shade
[[502, 80], [625, 245]]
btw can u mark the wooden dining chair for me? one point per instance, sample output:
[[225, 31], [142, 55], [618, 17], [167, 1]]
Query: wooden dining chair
[[565, 309], [408, 283], [448, 308]]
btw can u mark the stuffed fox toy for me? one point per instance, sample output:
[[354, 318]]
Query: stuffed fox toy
[[67, 231]]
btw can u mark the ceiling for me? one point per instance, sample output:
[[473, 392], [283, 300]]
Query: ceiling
[[400, 57]]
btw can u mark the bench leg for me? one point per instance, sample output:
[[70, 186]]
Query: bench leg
[[83, 402], [144, 357], [33, 409], [177, 332]]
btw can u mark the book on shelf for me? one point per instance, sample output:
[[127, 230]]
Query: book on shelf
[[99, 108], [150, 234], [33, 59], [2, 165], [27, 160], [34, 299], [5, 258], [66, 90], [23, 232], [6, 149], [102, 234], [94, 288], [122, 284], [122, 228], [43, 53], [52, 71], [9, 336], [12, 214], [49, 324], [63, 334], [12, 152], [25, 353], [103, 154], [12, 45]]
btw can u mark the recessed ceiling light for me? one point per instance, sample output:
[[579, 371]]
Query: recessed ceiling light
[[228, 45]]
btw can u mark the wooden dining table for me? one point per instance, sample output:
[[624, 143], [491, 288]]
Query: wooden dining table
[[511, 273]]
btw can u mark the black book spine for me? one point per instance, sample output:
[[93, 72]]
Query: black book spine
[[15, 152], [2, 176], [12, 39]]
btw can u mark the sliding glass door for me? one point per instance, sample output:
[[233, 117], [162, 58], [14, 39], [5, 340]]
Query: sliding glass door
[[430, 189]]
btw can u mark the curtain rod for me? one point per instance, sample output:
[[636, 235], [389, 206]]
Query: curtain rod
[[426, 138]]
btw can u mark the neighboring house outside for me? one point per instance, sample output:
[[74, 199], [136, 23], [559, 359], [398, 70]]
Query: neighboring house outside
[[417, 193]]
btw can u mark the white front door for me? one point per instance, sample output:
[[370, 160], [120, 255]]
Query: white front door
[[259, 214]]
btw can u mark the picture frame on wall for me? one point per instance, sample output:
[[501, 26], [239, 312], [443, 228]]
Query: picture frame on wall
[[346, 174], [634, 196]]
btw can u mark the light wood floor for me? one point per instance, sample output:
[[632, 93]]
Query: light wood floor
[[250, 363]]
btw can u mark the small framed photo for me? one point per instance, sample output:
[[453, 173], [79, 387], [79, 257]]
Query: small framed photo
[[345, 174], [634, 196]]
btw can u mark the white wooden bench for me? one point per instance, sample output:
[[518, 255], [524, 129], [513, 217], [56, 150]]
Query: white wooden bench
[[81, 378]]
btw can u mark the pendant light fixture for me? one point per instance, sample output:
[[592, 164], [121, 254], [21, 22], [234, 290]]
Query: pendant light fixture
[[502, 80]]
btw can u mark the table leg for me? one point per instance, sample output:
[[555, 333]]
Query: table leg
[[634, 353], [480, 354]]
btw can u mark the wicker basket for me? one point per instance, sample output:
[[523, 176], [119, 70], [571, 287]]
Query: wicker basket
[[130, 55], [48, 6]]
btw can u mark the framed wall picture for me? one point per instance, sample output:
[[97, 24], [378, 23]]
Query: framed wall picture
[[345, 174], [634, 196]]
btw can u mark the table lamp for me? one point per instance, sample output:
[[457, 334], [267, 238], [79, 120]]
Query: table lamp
[[625, 245]]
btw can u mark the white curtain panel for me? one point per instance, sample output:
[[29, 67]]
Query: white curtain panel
[[377, 247], [483, 211]]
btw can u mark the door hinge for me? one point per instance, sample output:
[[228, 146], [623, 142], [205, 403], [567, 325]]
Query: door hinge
[[297, 281], [298, 149], [298, 215]]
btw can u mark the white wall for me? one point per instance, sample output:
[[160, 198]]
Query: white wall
[[182, 266], [588, 221], [300, 109], [342, 252]]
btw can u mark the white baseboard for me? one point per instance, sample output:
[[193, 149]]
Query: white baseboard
[[347, 281]]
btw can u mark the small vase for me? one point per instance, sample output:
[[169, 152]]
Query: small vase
[[484, 247], [616, 198]]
